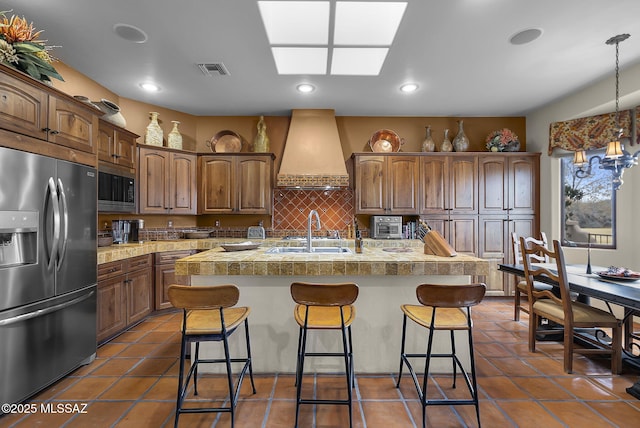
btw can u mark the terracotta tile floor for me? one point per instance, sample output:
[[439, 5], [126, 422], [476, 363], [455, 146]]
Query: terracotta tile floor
[[133, 383]]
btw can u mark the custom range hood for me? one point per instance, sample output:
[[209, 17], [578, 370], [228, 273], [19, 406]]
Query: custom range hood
[[313, 157]]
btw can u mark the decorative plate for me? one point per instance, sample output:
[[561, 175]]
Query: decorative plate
[[631, 276], [225, 142], [242, 246]]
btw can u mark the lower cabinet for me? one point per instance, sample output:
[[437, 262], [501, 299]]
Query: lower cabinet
[[165, 274], [125, 291]]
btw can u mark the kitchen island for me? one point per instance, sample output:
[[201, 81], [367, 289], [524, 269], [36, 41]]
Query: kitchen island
[[386, 279]]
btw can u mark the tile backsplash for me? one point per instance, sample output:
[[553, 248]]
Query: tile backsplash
[[291, 209]]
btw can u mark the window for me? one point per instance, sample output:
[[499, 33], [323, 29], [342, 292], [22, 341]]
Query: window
[[588, 211]]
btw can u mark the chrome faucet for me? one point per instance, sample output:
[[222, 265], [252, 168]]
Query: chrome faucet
[[311, 214]]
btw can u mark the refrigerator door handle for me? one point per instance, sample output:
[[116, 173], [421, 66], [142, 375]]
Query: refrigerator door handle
[[41, 312], [65, 222], [53, 194]]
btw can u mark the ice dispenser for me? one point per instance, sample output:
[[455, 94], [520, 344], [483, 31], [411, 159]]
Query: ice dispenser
[[18, 238]]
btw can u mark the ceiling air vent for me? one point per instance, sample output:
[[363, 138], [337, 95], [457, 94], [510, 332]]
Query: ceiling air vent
[[214, 69]]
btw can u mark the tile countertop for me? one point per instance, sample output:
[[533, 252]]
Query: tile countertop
[[117, 252], [373, 261]]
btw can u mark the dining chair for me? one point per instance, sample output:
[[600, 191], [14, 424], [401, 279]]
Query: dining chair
[[563, 310], [521, 286]]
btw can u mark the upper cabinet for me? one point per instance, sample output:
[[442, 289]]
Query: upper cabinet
[[508, 183], [116, 145], [31, 109], [235, 184], [167, 181], [386, 184], [448, 184]]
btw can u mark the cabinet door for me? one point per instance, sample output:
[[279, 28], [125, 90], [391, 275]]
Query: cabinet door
[[139, 292], [402, 184], [434, 184], [493, 184], [217, 186], [23, 108], [165, 276], [463, 184], [182, 183], [112, 309], [125, 149], [254, 190], [105, 142], [463, 234], [493, 245], [523, 179], [370, 194], [153, 173], [71, 125]]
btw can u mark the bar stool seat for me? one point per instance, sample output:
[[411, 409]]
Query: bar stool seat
[[444, 308], [210, 314], [324, 307]]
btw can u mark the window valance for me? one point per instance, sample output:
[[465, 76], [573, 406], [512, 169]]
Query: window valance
[[591, 132]]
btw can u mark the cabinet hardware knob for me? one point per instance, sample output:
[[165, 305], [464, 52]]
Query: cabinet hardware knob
[[46, 129], [54, 132]]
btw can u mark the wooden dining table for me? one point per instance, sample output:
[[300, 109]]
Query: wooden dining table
[[624, 293]]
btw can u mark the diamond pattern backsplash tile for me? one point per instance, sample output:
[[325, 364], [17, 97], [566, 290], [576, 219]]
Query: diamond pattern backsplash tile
[[291, 209]]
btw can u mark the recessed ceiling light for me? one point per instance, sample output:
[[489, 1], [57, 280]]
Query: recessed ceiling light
[[305, 88], [130, 33], [409, 87], [525, 36], [150, 87]]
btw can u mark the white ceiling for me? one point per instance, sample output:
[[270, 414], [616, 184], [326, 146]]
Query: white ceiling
[[457, 51]]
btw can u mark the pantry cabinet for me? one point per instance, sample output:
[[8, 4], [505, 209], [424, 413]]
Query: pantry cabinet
[[45, 121], [116, 145], [235, 184], [124, 295], [386, 184], [167, 181]]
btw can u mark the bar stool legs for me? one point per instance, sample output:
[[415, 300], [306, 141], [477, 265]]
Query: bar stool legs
[[453, 309]]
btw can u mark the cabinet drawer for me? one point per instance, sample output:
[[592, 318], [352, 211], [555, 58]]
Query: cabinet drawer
[[140, 262], [169, 257], [109, 270]]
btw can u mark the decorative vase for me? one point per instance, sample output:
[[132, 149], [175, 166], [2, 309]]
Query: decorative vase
[[153, 136], [446, 145], [460, 142], [261, 142], [174, 139], [428, 145], [111, 112]]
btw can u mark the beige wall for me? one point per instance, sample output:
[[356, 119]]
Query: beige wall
[[595, 99]]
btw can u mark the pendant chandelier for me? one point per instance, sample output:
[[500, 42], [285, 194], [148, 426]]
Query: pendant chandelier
[[616, 159]]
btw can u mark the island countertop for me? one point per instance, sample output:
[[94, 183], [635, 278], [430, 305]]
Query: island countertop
[[373, 261]]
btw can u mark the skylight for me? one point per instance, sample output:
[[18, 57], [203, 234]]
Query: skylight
[[305, 35]]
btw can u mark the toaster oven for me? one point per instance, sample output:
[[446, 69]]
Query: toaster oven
[[386, 227]]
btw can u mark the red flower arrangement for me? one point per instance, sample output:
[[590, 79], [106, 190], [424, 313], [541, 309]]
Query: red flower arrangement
[[502, 141]]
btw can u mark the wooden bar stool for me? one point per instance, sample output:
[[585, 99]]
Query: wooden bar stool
[[324, 307], [448, 308], [210, 314]]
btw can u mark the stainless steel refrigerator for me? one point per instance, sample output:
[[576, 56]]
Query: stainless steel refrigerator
[[48, 272]]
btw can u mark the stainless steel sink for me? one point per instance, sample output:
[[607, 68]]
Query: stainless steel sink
[[314, 250]]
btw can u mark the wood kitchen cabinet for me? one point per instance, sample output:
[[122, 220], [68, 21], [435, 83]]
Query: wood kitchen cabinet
[[167, 181], [48, 122], [239, 184], [509, 200], [125, 290], [386, 184], [165, 275], [116, 145]]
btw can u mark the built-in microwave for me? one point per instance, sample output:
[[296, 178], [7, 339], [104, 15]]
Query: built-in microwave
[[116, 191], [386, 227]]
